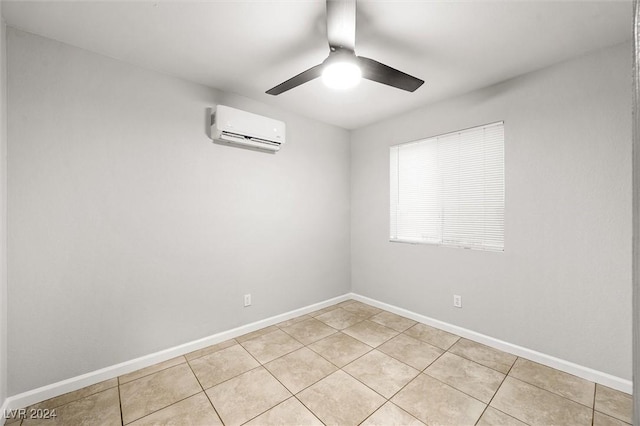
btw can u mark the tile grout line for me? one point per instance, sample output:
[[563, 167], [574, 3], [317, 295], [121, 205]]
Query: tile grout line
[[595, 385], [203, 391], [370, 349], [394, 358], [214, 407], [388, 400], [308, 408], [306, 344], [162, 408], [418, 375], [423, 371], [345, 334], [210, 353], [390, 356], [149, 374], [560, 371], [550, 391], [337, 368], [280, 356], [395, 405], [283, 385], [496, 392], [77, 399], [366, 385], [554, 394], [593, 412], [169, 405], [120, 402], [477, 362], [261, 365], [335, 365], [231, 378]]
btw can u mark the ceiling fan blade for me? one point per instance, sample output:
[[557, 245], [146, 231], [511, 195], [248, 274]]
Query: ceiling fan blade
[[303, 77], [381, 73], [341, 24]]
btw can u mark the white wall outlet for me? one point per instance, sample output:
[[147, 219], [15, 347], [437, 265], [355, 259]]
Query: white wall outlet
[[247, 300], [457, 301]]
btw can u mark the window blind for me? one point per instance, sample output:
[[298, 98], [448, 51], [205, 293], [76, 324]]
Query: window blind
[[449, 189]]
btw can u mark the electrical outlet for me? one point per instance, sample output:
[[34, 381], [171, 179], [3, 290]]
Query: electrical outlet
[[247, 300], [457, 301]]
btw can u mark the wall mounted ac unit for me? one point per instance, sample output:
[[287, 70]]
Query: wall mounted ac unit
[[233, 126]]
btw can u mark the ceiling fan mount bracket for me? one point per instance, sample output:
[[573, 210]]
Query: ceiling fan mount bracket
[[340, 53], [341, 33]]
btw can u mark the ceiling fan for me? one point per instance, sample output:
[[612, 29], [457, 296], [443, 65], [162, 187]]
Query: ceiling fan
[[342, 68]]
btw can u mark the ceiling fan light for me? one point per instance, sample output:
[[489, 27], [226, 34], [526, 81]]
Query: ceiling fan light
[[341, 75]]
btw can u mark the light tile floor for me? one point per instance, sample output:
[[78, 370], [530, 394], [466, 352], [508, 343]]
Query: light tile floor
[[348, 364]]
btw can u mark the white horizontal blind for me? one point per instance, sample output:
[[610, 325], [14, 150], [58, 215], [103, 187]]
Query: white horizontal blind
[[449, 189]]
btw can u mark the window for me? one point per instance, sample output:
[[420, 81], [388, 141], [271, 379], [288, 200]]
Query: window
[[449, 189]]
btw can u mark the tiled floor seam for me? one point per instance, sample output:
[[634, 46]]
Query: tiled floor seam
[[459, 390], [374, 412], [593, 412], [155, 411], [153, 372], [262, 364], [305, 388], [259, 414], [388, 401], [355, 359], [479, 363], [432, 362], [552, 392], [270, 373], [278, 380], [613, 417], [363, 383], [308, 408], [195, 375], [214, 407], [203, 390], [77, 399], [267, 362], [405, 385], [293, 395], [209, 353], [556, 393], [314, 414], [340, 368], [230, 378], [401, 361], [496, 392], [364, 346], [307, 344], [337, 369], [120, 402]]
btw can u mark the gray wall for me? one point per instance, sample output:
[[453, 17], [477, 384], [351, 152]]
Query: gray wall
[[131, 232], [563, 284], [3, 215]]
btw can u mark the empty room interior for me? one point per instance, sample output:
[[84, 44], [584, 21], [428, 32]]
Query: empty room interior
[[317, 212]]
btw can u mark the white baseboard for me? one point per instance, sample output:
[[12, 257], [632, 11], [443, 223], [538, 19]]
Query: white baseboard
[[40, 394], [4, 408], [587, 373], [25, 399]]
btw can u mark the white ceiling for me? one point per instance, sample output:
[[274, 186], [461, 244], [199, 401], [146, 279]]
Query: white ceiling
[[247, 47]]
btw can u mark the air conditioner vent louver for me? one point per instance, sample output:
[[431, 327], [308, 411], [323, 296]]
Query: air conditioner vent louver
[[236, 127]]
